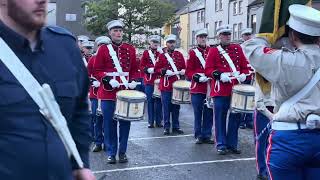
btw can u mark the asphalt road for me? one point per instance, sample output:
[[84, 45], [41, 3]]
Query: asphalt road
[[153, 156]]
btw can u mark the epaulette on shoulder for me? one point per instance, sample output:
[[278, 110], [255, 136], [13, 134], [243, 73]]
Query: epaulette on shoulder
[[60, 31]]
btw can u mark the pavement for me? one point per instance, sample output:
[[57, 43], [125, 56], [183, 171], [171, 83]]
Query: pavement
[[153, 156]]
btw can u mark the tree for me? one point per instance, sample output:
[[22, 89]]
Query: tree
[[136, 15]]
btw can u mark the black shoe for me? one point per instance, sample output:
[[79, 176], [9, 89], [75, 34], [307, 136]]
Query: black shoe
[[177, 131], [249, 126], [208, 141], [199, 141], [150, 126], [166, 132], [159, 125], [261, 177], [242, 126], [123, 158], [234, 151], [221, 151], [111, 160], [97, 148]]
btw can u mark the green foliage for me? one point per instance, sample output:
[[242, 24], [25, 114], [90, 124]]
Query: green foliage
[[136, 15]]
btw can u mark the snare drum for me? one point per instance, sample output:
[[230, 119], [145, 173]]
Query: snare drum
[[242, 100], [130, 105], [181, 92], [156, 91]]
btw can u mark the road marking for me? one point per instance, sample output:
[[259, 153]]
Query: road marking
[[173, 165], [161, 137]]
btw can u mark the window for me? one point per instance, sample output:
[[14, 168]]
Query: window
[[254, 23], [235, 31], [218, 5], [202, 16], [193, 38], [239, 29], [198, 17], [216, 25], [240, 7], [235, 8]]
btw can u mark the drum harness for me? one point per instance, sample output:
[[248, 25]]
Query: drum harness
[[203, 64], [174, 67], [152, 57], [234, 73]]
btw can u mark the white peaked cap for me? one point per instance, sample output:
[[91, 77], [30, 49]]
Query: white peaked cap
[[87, 44], [115, 23], [171, 37], [304, 19], [223, 29], [83, 38], [154, 38], [201, 32], [246, 31], [103, 40]]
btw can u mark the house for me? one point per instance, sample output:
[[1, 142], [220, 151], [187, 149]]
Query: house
[[67, 14]]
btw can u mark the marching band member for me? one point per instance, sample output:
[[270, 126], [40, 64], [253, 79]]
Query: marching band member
[[147, 64], [247, 118], [96, 120], [171, 65], [117, 57], [227, 65], [203, 116], [264, 103], [293, 143]]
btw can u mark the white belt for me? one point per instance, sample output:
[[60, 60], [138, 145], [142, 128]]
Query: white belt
[[276, 125]]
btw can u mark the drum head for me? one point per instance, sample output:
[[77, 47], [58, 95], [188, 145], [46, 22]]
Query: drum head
[[183, 84], [244, 88], [131, 94], [157, 81]]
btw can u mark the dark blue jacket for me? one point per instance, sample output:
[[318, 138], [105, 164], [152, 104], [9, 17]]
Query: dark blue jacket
[[29, 147]]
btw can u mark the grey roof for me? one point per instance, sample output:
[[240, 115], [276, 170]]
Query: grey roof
[[256, 2]]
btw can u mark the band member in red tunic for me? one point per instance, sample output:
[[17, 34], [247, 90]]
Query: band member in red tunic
[[203, 116], [112, 59], [96, 119], [171, 65], [227, 65], [148, 60]]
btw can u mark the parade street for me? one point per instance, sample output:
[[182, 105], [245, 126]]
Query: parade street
[[153, 156]]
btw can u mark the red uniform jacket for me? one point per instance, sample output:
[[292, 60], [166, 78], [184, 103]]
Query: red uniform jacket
[[193, 67], [92, 90], [162, 65], [216, 62], [104, 64], [146, 63]]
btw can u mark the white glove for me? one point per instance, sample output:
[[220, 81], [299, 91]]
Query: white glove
[[182, 72], [225, 78], [203, 79], [313, 121], [95, 84], [169, 73], [114, 83], [132, 85], [242, 77], [150, 70]]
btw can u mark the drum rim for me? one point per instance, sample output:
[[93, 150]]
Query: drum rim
[[243, 93], [132, 100], [233, 109], [142, 93], [119, 118]]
